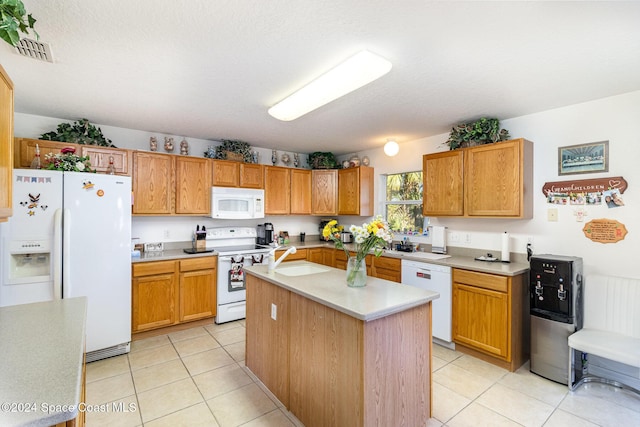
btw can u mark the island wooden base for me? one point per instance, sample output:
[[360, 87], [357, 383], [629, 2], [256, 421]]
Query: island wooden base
[[330, 369]]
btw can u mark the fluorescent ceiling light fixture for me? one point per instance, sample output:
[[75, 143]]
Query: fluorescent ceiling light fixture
[[391, 148], [352, 74]]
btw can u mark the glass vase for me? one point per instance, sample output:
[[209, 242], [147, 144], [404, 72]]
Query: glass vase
[[356, 272]]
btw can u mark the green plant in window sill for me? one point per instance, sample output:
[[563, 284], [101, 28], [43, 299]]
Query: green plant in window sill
[[14, 19]]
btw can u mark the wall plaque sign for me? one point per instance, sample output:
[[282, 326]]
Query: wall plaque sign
[[604, 230], [585, 185]]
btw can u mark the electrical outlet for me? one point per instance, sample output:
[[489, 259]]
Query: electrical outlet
[[552, 214], [154, 247], [167, 234], [274, 312], [467, 237], [530, 240], [454, 237]]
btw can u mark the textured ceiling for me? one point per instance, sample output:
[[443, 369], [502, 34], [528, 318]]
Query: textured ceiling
[[210, 69]]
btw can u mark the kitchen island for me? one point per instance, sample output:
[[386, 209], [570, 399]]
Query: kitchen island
[[335, 355], [42, 363]]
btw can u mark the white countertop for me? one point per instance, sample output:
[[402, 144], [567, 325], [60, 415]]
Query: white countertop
[[41, 362], [379, 298]]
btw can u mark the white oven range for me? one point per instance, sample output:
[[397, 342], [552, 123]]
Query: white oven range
[[236, 248]]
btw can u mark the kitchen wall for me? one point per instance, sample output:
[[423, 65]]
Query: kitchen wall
[[611, 119]]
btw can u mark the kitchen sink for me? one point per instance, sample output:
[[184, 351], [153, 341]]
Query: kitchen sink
[[300, 270]]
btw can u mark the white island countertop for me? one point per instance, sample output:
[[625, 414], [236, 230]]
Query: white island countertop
[[41, 362], [379, 298]]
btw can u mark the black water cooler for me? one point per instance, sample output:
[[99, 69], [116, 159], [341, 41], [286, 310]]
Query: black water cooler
[[555, 296]]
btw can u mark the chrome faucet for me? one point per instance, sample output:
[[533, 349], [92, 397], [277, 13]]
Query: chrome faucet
[[272, 257]]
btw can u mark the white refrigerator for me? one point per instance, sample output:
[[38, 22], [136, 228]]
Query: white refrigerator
[[70, 236]]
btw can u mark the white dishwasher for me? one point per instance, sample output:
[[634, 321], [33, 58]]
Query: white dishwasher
[[435, 278]]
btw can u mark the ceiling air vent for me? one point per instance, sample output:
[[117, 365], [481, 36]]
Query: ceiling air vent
[[33, 49]]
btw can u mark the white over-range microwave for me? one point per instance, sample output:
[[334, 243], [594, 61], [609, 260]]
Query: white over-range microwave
[[237, 203]]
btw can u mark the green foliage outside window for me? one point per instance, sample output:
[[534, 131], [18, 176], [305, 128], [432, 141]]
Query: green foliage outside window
[[404, 201]]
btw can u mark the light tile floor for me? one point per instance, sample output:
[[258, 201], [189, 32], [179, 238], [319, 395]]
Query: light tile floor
[[197, 377]]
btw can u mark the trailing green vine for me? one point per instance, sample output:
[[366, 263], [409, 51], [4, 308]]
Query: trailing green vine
[[13, 19], [80, 132]]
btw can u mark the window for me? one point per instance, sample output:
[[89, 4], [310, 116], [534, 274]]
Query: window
[[404, 202]]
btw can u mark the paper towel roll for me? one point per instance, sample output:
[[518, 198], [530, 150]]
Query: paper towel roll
[[505, 247], [438, 240]]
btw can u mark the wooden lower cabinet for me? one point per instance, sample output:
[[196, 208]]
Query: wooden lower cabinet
[[490, 320], [197, 288], [330, 369], [166, 293], [324, 256], [301, 254], [154, 295], [386, 268]]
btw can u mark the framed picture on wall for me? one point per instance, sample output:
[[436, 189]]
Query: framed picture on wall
[[583, 158]]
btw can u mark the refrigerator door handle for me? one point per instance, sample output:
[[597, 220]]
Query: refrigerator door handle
[[57, 254], [66, 259]]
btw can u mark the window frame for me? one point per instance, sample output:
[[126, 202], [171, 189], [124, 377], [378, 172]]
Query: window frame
[[403, 202]]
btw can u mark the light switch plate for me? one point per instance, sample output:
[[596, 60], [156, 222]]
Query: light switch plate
[[552, 214]]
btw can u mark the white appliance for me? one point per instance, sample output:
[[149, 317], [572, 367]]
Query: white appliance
[[236, 248], [237, 203], [435, 278], [70, 236]]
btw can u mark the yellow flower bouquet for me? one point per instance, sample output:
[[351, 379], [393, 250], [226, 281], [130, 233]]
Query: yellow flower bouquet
[[373, 236]]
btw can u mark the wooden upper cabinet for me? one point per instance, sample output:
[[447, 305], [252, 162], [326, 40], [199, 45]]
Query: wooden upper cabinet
[[251, 175], [300, 192], [99, 157], [277, 190], [6, 145], [355, 191], [193, 185], [153, 183], [496, 179], [25, 150], [324, 191], [442, 175], [492, 180], [225, 173]]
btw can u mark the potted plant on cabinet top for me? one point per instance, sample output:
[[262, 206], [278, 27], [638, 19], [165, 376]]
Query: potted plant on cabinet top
[[14, 18], [482, 131], [80, 132]]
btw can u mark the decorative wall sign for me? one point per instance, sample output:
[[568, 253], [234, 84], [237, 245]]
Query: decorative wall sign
[[585, 185], [604, 230], [583, 158]]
